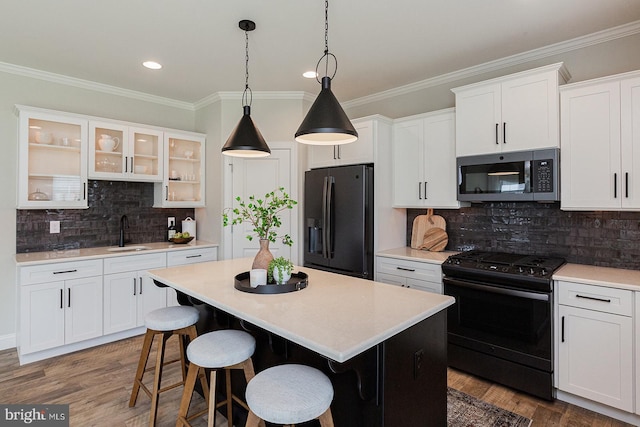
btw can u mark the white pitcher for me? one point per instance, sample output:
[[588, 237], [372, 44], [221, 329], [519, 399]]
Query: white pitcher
[[107, 143]]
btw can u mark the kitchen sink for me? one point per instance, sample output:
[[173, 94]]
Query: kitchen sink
[[129, 248]]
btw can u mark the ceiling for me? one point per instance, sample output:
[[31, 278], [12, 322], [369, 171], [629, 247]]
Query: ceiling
[[379, 44]]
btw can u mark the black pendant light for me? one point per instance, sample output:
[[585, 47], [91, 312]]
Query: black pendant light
[[326, 122], [246, 140]]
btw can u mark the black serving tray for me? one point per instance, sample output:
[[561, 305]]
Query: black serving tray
[[297, 282]]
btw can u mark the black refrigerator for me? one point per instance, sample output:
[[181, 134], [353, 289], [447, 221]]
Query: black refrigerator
[[338, 206]]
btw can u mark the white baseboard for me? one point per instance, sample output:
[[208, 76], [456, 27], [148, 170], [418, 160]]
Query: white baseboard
[[618, 414], [69, 348], [7, 341]]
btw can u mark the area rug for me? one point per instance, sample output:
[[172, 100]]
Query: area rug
[[464, 410]]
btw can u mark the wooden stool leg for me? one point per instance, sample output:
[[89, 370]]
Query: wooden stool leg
[[189, 385], [326, 420], [253, 420], [212, 400], [229, 398], [153, 413], [142, 365]]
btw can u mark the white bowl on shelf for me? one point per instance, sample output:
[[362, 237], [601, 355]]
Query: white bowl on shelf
[[140, 169]]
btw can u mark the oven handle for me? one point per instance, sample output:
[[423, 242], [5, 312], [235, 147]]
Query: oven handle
[[498, 290]]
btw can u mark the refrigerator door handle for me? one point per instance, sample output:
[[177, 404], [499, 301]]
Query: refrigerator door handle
[[324, 216], [328, 225]]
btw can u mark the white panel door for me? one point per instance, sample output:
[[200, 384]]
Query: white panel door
[[83, 311], [630, 137], [478, 118], [42, 316], [408, 163], [595, 356], [120, 302], [258, 177], [150, 297], [590, 144], [440, 179]]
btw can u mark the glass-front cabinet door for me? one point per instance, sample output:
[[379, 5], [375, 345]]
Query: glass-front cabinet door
[[123, 153], [52, 169], [183, 184]]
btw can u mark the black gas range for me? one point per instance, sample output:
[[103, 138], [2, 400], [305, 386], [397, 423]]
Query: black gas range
[[531, 272], [501, 326]]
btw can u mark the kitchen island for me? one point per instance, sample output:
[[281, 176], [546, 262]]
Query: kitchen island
[[383, 347]]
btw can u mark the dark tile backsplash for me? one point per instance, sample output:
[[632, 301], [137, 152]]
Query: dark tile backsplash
[[607, 239], [100, 224]]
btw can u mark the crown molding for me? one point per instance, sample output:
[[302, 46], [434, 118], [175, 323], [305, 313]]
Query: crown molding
[[509, 61], [90, 85]]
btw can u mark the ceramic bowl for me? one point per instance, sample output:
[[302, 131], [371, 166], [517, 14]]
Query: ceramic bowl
[[182, 240]]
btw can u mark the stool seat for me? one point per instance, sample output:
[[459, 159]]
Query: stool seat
[[222, 348], [289, 394], [171, 318]]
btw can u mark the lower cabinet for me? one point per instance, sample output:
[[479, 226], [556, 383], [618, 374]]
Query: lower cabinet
[[129, 293], [59, 304], [595, 343], [410, 274], [69, 305]]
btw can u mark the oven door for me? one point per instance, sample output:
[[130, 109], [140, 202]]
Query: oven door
[[508, 323]]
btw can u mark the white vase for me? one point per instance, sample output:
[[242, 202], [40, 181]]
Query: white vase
[[280, 277]]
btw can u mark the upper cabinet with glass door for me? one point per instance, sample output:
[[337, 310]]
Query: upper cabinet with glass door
[[124, 153], [52, 165], [183, 183]]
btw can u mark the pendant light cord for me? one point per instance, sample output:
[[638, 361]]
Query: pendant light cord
[[247, 95], [327, 54]]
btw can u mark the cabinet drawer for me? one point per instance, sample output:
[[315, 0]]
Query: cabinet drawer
[[600, 298], [191, 256], [410, 269], [122, 264], [60, 271]]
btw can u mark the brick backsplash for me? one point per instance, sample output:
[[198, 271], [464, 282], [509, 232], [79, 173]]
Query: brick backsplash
[[607, 239], [100, 224]]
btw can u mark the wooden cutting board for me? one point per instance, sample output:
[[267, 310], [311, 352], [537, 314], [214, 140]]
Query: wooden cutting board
[[435, 240], [422, 223]]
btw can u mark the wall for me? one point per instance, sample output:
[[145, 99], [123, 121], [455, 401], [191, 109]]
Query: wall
[[607, 239], [100, 224], [15, 89]]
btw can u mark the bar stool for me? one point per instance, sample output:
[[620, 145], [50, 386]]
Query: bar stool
[[166, 322], [225, 349], [289, 394]]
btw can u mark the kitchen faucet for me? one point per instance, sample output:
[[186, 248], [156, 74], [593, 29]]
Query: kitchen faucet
[[124, 223]]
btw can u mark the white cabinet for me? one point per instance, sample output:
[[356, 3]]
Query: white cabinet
[[52, 160], [360, 151], [118, 151], [600, 144], [424, 161], [129, 293], [411, 274], [184, 257], [513, 113], [183, 184], [59, 304], [637, 349], [595, 343]]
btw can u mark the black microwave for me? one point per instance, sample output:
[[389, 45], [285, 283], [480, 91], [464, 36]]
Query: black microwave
[[518, 176]]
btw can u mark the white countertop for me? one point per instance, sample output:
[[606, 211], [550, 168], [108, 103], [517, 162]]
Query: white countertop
[[336, 316], [410, 254], [33, 258], [602, 276]]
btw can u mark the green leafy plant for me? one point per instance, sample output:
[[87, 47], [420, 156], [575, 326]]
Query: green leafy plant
[[263, 214], [281, 263]]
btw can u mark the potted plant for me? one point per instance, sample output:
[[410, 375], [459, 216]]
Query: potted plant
[[263, 214], [279, 270]]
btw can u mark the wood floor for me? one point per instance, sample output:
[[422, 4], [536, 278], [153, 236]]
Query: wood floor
[[96, 383]]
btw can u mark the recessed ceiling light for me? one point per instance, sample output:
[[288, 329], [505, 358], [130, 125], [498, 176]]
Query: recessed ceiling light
[[310, 74], [152, 65]]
